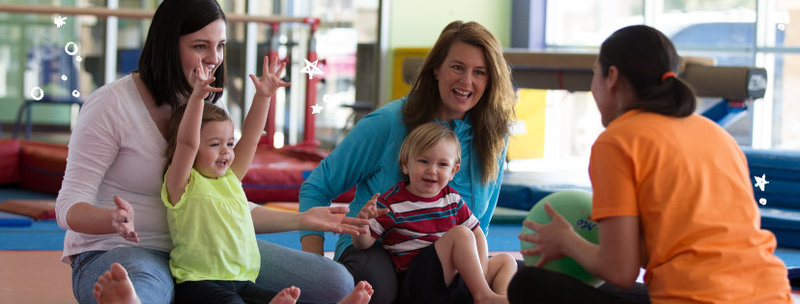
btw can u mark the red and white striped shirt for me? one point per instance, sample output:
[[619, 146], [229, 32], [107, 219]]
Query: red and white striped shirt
[[414, 223]]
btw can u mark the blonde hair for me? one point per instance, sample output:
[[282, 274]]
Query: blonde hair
[[425, 137], [211, 112], [491, 116]]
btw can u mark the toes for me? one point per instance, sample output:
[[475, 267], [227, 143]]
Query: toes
[[118, 272], [98, 291]]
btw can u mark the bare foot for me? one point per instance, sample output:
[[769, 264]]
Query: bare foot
[[360, 294], [492, 299], [114, 287], [288, 295]]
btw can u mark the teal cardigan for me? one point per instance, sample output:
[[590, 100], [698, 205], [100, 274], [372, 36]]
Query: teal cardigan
[[367, 159]]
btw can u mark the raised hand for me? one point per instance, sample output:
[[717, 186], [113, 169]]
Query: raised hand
[[202, 78], [549, 238], [270, 80], [331, 219], [370, 209], [122, 220]]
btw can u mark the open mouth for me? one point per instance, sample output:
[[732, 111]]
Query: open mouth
[[461, 94], [221, 163], [429, 181]]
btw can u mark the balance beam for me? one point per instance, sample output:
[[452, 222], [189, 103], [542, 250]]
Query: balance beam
[[573, 72]]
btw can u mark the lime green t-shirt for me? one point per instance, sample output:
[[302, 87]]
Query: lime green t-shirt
[[212, 231]]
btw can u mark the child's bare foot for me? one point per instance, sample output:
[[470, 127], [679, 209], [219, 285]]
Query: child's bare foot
[[360, 294], [115, 287], [288, 295]]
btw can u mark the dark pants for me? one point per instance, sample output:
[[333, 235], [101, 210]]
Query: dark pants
[[423, 282], [538, 285], [374, 266], [223, 292]]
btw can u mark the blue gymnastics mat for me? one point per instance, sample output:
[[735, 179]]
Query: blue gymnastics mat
[[46, 235], [14, 220], [27, 234]]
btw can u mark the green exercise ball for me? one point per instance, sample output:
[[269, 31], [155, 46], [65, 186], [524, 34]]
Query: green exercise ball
[[576, 207]]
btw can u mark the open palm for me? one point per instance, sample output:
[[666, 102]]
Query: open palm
[[270, 79]]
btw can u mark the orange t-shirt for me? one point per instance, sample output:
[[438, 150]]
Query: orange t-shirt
[[688, 182]]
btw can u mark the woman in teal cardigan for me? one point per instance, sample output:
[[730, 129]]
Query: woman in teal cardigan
[[465, 83]]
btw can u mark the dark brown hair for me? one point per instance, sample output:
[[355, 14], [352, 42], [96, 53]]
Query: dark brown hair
[[642, 55], [160, 65]]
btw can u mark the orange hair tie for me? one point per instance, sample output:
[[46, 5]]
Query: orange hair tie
[[667, 75]]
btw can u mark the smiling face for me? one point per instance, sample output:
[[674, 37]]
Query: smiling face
[[215, 153], [206, 45], [462, 79], [429, 172]]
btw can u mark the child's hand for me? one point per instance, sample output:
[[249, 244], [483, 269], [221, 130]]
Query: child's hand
[[122, 220], [549, 238], [202, 77], [270, 79], [370, 209]]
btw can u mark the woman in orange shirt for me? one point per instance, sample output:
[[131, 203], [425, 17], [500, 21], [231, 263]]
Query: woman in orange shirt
[[671, 193]]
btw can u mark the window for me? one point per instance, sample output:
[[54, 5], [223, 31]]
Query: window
[[733, 32]]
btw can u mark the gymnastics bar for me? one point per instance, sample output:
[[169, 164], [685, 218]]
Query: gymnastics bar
[[130, 13], [311, 93], [573, 72]]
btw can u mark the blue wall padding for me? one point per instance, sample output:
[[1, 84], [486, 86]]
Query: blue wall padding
[[14, 220], [523, 197], [780, 194], [781, 214], [775, 164], [784, 223]]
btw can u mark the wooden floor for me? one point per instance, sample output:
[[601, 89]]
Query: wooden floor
[[36, 276], [39, 276]]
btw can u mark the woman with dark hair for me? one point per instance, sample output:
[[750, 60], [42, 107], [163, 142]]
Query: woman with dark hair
[[671, 193], [464, 83], [117, 149]]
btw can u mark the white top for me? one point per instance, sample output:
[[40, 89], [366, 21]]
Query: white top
[[115, 149]]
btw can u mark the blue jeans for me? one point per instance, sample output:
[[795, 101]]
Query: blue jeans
[[148, 270], [320, 279]]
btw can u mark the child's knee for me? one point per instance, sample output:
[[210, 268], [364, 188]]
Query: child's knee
[[460, 232], [505, 260]]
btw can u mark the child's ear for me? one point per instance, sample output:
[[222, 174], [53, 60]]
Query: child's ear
[[405, 168], [456, 167]]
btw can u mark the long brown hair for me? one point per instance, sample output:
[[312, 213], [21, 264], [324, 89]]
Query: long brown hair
[[491, 116]]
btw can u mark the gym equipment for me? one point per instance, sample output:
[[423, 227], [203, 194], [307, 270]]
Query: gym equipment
[[576, 207]]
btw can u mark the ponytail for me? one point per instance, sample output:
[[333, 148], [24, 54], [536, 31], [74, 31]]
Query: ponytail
[[673, 97], [647, 59]]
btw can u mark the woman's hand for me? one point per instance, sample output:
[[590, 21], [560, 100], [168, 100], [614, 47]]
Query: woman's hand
[[549, 238], [270, 80], [370, 209], [331, 219], [122, 220], [201, 81]]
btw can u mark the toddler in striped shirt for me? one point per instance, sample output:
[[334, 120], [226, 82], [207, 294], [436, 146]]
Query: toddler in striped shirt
[[436, 245]]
